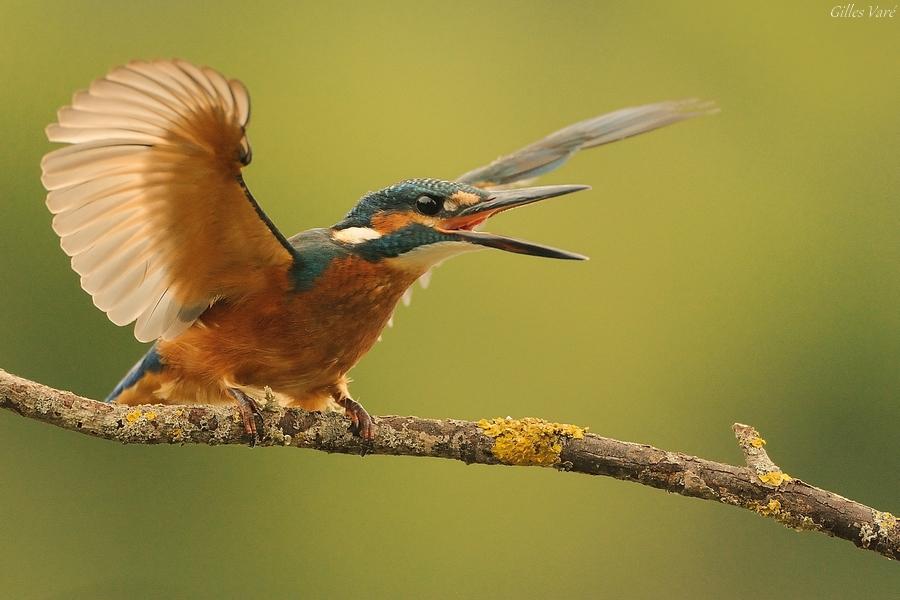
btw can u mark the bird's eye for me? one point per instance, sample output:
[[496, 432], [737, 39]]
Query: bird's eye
[[428, 205]]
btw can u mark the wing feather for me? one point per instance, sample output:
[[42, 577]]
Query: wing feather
[[99, 278], [552, 151], [110, 295], [77, 242], [105, 209], [129, 95], [131, 304], [148, 200]]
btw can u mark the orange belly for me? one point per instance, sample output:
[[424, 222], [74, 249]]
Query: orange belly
[[299, 344]]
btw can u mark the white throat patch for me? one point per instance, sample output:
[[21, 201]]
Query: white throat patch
[[355, 235], [430, 255]]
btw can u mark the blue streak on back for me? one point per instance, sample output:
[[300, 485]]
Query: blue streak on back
[[150, 363], [314, 250]]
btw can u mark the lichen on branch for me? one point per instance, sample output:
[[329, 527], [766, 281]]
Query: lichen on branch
[[529, 441], [761, 487]]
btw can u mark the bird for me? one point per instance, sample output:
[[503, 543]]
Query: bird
[[149, 202]]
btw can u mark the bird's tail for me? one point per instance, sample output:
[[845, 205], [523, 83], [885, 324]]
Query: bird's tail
[[552, 151], [149, 363]]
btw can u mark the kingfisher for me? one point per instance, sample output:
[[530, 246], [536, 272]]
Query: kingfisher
[[150, 203]]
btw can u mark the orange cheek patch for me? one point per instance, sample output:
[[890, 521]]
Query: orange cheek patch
[[392, 221]]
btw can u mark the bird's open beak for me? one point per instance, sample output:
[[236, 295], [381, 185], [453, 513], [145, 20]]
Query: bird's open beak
[[462, 225]]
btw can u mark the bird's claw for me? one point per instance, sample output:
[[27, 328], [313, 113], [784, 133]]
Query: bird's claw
[[361, 423], [249, 411]]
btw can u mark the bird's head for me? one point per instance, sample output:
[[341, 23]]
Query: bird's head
[[421, 222]]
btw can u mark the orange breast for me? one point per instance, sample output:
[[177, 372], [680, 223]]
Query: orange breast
[[297, 343]]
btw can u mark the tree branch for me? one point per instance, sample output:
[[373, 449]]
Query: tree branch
[[761, 486]]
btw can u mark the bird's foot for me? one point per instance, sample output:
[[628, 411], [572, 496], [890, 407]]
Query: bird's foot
[[249, 410], [361, 423]]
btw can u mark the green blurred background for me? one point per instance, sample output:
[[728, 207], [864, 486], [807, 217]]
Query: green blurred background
[[745, 268]]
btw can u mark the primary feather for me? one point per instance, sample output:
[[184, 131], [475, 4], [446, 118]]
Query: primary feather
[[552, 151]]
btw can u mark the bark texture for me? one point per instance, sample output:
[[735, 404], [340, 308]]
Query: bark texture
[[760, 486]]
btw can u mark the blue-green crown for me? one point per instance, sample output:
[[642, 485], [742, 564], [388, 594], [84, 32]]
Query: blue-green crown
[[400, 197]]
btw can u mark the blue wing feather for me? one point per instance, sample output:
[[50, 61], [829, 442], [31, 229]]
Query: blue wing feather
[[552, 151]]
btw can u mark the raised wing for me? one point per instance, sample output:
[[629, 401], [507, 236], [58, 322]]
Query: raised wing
[[148, 198], [552, 151]]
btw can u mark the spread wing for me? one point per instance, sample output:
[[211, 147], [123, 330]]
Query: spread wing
[[552, 151], [148, 199]]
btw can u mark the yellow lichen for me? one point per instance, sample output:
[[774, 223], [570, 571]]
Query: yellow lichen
[[528, 441], [135, 415], [773, 508], [757, 442], [775, 478], [885, 520]]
